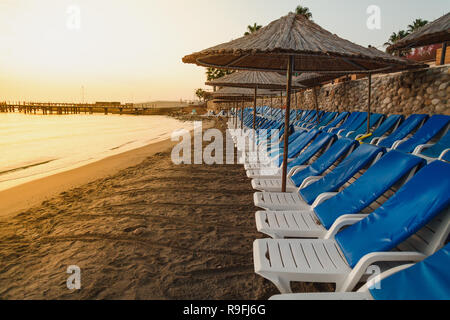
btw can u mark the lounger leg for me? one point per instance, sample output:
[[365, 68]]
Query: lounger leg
[[282, 284]]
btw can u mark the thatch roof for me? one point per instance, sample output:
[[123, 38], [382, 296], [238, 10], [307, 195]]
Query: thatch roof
[[238, 93], [314, 48], [312, 79], [252, 79], [434, 32]]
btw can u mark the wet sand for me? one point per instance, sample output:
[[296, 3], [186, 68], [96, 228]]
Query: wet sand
[[153, 230]]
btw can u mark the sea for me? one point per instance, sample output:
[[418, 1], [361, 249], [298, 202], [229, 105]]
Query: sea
[[35, 146]]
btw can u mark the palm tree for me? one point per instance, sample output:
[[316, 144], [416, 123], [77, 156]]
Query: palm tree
[[213, 73], [395, 37], [304, 11], [416, 25], [251, 29], [200, 93]]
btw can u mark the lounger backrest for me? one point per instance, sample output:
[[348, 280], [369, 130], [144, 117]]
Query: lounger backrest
[[322, 140], [426, 280], [387, 125], [360, 120], [370, 186], [404, 129], [327, 118], [427, 132], [301, 142], [360, 158], [351, 118], [338, 149], [408, 210], [374, 119], [436, 150], [336, 121]]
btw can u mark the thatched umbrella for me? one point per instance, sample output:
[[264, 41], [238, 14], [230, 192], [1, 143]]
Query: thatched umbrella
[[253, 80], [295, 44], [434, 32]]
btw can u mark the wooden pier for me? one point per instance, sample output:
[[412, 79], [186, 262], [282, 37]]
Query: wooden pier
[[48, 108]]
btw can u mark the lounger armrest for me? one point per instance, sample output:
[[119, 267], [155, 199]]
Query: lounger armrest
[[339, 132], [418, 150], [329, 130], [359, 136], [372, 258], [350, 132], [372, 282], [444, 153], [397, 143], [310, 180], [322, 198], [377, 141], [343, 221], [295, 170]]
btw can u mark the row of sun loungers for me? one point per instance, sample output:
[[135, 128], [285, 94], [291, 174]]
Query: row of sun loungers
[[353, 202]]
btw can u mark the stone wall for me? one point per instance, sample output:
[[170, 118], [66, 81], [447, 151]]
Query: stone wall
[[422, 91]]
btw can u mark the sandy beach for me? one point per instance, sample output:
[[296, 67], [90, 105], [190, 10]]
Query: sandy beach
[[151, 230]]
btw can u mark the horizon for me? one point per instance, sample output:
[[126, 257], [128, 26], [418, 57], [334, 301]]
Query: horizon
[[131, 51]]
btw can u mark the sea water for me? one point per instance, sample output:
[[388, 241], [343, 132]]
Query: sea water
[[35, 146]]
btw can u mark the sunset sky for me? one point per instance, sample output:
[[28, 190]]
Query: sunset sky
[[131, 50]]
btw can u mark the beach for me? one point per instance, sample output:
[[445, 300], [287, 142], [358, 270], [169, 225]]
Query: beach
[[148, 230]]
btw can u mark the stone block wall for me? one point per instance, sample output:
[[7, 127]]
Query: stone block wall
[[420, 91]]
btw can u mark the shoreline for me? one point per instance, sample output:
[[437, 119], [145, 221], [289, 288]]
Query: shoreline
[[33, 193], [29, 194]]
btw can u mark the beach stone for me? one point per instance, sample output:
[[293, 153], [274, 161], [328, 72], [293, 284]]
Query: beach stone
[[435, 101], [139, 231]]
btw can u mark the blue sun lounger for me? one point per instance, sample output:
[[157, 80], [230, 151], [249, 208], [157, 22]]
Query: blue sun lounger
[[375, 118], [387, 125], [435, 151], [393, 167], [355, 125], [410, 123], [348, 122], [428, 131], [341, 117], [424, 281], [322, 141], [312, 187], [326, 119], [344, 257], [337, 150]]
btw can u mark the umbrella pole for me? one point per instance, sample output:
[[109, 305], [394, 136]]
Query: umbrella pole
[[242, 113], [286, 122], [296, 104], [254, 108], [235, 114], [281, 104], [369, 102], [271, 107], [316, 103]]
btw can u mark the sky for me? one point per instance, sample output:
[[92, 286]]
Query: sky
[[131, 50]]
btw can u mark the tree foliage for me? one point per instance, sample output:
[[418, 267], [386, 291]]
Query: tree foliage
[[304, 11]]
